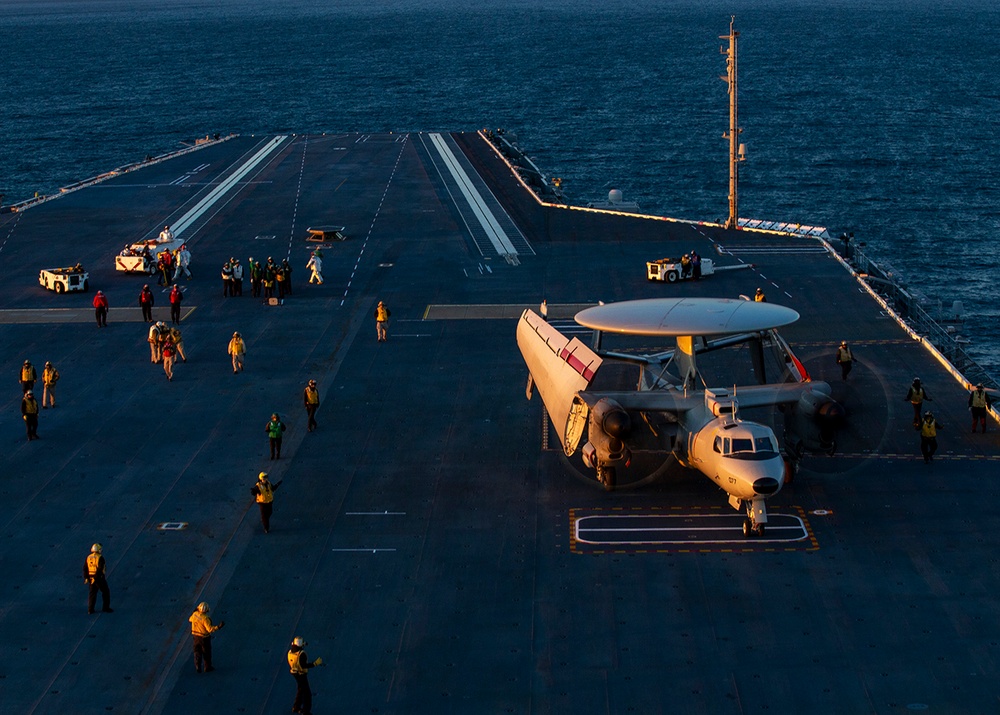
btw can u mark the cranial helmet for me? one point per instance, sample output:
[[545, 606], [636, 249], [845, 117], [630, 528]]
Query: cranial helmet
[[262, 476], [203, 607], [299, 641], [96, 549]]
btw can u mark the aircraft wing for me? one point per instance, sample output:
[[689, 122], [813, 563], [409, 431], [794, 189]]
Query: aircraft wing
[[778, 394], [649, 400], [559, 368]]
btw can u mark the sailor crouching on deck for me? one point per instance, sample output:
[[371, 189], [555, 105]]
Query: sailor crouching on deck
[[202, 630], [298, 663]]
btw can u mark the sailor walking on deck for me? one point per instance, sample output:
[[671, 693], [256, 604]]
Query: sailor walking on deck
[[101, 309], [916, 396], [155, 340], [316, 265], [310, 397], [845, 358], [183, 261], [29, 413], [202, 630], [275, 428], [298, 663], [928, 436], [979, 403], [96, 579], [237, 349], [263, 493]]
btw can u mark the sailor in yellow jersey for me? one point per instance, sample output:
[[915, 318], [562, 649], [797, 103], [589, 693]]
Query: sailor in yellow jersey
[[298, 663], [381, 321], [310, 397], [263, 493], [979, 403], [237, 349], [916, 396], [202, 630], [759, 296], [94, 577], [928, 436]]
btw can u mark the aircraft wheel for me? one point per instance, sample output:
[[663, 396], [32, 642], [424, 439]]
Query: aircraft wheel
[[607, 477], [758, 530], [672, 276], [747, 528]]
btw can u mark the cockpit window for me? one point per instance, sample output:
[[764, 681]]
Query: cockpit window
[[718, 444], [765, 444], [742, 445]]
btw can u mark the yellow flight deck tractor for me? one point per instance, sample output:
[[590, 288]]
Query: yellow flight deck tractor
[[65, 280]]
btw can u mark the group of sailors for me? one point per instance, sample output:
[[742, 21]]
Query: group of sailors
[[264, 279], [691, 265]]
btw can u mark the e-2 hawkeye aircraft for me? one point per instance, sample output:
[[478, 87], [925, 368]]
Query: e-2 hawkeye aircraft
[[678, 414]]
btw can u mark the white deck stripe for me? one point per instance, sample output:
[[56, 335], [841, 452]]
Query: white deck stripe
[[219, 191], [498, 237]]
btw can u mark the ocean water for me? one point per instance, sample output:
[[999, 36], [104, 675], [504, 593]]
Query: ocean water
[[879, 118]]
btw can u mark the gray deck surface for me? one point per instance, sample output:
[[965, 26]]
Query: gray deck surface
[[423, 540]]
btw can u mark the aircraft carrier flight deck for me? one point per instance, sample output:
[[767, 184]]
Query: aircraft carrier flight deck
[[429, 539]]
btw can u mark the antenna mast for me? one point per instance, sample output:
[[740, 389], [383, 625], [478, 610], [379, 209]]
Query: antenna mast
[[737, 151]]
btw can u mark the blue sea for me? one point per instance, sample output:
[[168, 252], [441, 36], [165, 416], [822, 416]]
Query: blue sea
[[877, 118]]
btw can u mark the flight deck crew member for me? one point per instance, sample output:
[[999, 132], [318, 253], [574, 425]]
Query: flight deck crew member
[[275, 428], [101, 309], [845, 358], [183, 263], [237, 276], [176, 298], [154, 338], [237, 349], [685, 266], [310, 397], [916, 396], [979, 403], [166, 235], [178, 339], [759, 296], [28, 376], [298, 663], [169, 355], [696, 265], [279, 281], [29, 412], [316, 265], [94, 576], [202, 630], [263, 493], [286, 271], [543, 310], [256, 277], [227, 280], [381, 321], [928, 436], [50, 376], [146, 303]]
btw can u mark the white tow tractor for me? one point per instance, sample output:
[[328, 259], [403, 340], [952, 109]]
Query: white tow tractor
[[65, 280], [671, 270], [141, 257]]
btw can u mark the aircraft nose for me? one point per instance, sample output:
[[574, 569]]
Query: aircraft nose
[[765, 485]]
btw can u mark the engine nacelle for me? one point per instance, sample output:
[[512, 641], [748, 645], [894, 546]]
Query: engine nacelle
[[814, 420], [607, 429]]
